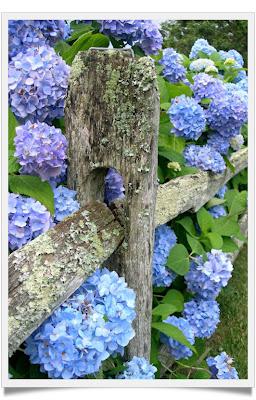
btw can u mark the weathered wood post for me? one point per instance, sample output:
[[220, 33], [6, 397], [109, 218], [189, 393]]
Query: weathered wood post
[[111, 119]]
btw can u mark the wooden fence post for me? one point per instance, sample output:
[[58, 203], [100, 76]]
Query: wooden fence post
[[111, 119]]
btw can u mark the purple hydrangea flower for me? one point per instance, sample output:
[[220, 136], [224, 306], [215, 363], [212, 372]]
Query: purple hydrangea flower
[[114, 186], [38, 81], [24, 34], [236, 142], [217, 211], [201, 45], [178, 350], [64, 203], [221, 193], [40, 149], [203, 316], [187, 117], [138, 368], [206, 279], [218, 142], [205, 86], [205, 158], [165, 239], [150, 39], [201, 64], [221, 367], [173, 71], [95, 322], [28, 218]]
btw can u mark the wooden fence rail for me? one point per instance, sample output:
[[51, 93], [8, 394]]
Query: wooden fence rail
[[108, 92]]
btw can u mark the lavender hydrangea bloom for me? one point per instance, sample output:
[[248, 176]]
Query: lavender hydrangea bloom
[[205, 158], [61, 178], [217, 211], [187, 117], [203, 316], [150, 39], [138, 368], [201, 45], [221, 367], [243, 84], [218, 142], [221, 193], [206, 279], [173, 71], [114, 186], [226, 114], [165, 239], [205, 86], [201, 64], [64, 203], [95, 322], [38, 81], [236, 142], [40, 149], [28, 218], [24, 34], [178, 350]]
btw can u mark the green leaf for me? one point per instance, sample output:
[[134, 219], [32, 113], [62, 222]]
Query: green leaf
[[164, 95], [204, 219], [177, 89], [175, 298], [165, 106], [215, 202], [229, 165], [229, 246], [33, 186], [238, 204], [164, 310], [195, 245], [225, 226], [205, 101], [61, 47], [201, 374], [13, 165], [187, 171], [188, 225], [173, 332], [215, 240], [170, 154], [78, 30], [178, 259], [12, 125]]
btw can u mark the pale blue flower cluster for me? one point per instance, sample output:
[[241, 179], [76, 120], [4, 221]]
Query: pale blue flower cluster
[[27, 219], [143, 33], [217, 211], [165, 239], [38, 81], [201, 45], [178, 350], [201, 64], [187, 117], [94, 323], [236, 142], [234, 54], [243, 84], [40, 149], [205, 86], [221, 193], [203, 316], [24, 34], [138, 368], [114, 186], [221, 367], [218, 142], [204, 157], [173, 71], [64, 203], [207, 278]]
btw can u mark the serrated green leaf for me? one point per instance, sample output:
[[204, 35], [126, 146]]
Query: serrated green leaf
[[215, 240], [188, 225], [78, 30], [61, 47], [178, 259], [204, 219], [164, 96], [175, 298], [177, 89], [170, 154], [239, 204], [164, 310], [195, 245], [165, 106], [32, 186], [173, 332], [229, 246], [225, 226], [215, 202]]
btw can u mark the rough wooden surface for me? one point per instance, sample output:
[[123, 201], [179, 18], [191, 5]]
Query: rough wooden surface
[[191, 192], [45, 272], [111, 119]]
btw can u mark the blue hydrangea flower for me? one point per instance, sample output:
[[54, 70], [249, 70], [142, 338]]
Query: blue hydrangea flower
[[165, 239], [114, 186], [205, 158], [24, 34], [62, 178], [138, 368], [234, 54], [38, 81], [201, 45], [95, 322], [205, 86], [221, 193], [40, 149], [173, 71], [226, 114], [27, 219], [236, 142], [221, 367], [218, 142], [64, 203], [243, 84], [201, 64], [150, 40], [217, 211], [203, 316], [187, 117], [206, 279], [178, 350]]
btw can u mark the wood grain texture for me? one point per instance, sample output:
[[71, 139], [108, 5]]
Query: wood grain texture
[[111, 119], [45, 272]]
